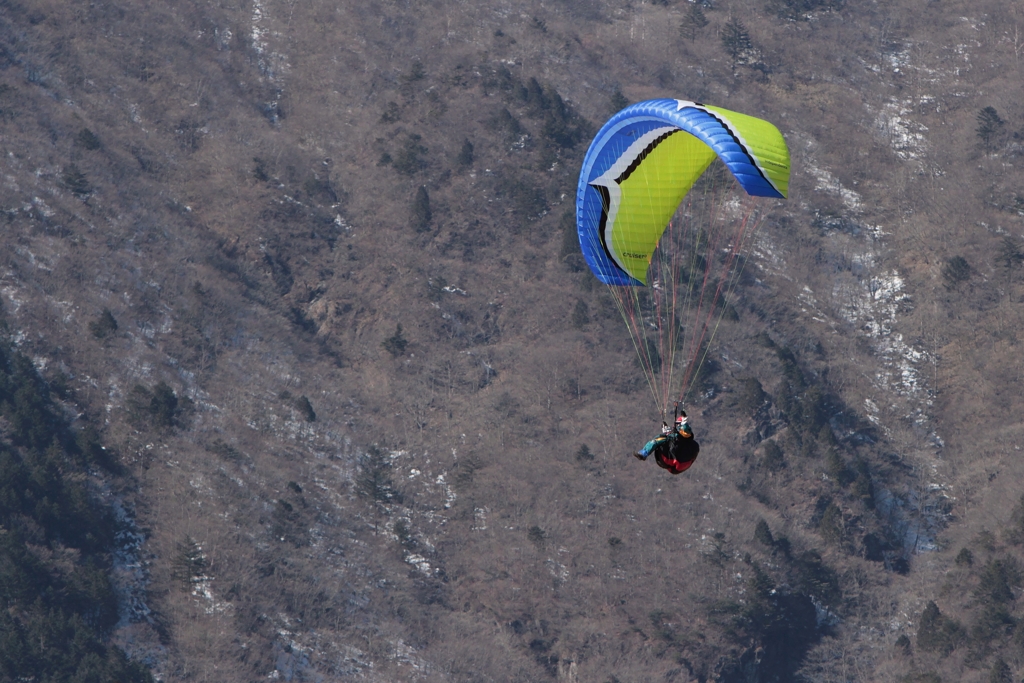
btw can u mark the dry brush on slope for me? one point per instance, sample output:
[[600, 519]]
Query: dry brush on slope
[[349, 367]]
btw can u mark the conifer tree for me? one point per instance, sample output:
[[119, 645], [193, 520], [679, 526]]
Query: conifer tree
[[74, 180], [763, 533], [580, 314], [396, 343], [421, 214], [736, 40], [956, 271], [104, 326], [1010, 254], [189, 563], [936, 632], [305, 408], [584, 454], [989, 126], [465, 158], [693, 22], [1015, 531], [618, 101]]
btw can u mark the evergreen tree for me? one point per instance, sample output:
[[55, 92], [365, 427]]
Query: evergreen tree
[[693, 22], [751, 396], [618, 101], [580, 314], [189, 563], [421, 214], [391, 114], [929, 627], [87, 139], [938, 633], [416, 72], [997, 580], [505, 123], [956, 271], [1010, 254], [374, 479], [736, 41], [465, 157], [763, 533], [104, 326], [832, 526], [409, 159], [75, 181], [164, 405], [161, 407], [1015, 532], [305, 408], [774, 459], [989, 126], [964, 558], [536, 98], [259, 170], [836, 469], [396, 343]]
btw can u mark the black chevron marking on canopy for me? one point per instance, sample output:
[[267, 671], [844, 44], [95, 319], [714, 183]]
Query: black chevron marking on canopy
[[606, 201], [643, 155]]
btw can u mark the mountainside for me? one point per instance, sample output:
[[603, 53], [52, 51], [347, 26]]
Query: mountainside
[[309, 272]]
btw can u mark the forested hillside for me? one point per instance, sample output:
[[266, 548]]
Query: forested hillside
[[307, 380], [62, 536]]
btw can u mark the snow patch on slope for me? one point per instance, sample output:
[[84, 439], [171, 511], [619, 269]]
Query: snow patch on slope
[[874, 310], [826, 182], [906, 138]]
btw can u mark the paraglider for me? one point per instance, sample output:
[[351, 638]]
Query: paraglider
[[675, 449], [669, 199]]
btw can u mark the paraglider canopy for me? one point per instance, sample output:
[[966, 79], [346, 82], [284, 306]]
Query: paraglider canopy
[[643, 162]]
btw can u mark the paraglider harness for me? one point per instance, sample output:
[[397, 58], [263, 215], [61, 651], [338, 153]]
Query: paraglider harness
[[677, 449]]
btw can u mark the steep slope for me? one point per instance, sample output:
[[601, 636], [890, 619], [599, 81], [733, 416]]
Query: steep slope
[[313, 266]]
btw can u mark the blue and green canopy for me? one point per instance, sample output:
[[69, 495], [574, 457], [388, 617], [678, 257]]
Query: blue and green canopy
[[643, 162]]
